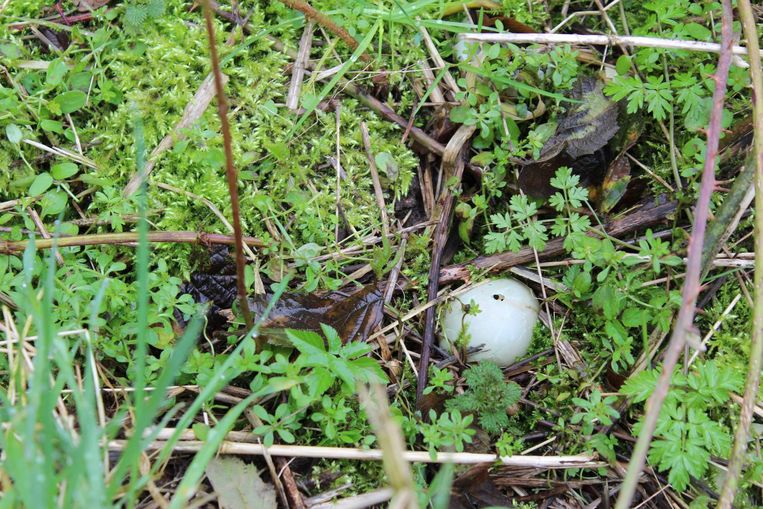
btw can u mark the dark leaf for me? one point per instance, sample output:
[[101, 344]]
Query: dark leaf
[[580, 141], [588, 125], [615, 183], [353, 314]]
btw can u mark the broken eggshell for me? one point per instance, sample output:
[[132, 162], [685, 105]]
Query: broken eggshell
[[503, 324]]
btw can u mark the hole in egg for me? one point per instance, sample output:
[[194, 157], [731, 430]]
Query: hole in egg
[[498, 296]]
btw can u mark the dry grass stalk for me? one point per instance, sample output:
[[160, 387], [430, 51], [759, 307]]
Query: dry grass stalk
[[298, 70], [191, 114], [378, 192], [10, 247], [605, 40], [348, 453]]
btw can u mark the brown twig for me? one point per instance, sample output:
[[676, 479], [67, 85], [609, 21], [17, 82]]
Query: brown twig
[[736, 459], [311, 12], [11, 247], [230, 172], [646, 216], [452, 169], [684, 322], [378, 192]]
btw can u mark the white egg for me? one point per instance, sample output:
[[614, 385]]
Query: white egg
[[504, 324]]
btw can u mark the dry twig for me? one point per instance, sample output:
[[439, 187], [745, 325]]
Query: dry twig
[[11, 247], [756, 349], [311, 12], [452, 168], [349, 453], [684, 322], [606, 40], [298, 71], [230, 172]]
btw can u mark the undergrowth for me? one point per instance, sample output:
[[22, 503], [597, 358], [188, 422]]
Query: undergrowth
[[89, 315]]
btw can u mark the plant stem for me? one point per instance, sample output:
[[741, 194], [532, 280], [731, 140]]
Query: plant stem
[[756, 349], [452, 168], [608, 40], [684, 322], [311, 12], [230, 172], [10, 247]]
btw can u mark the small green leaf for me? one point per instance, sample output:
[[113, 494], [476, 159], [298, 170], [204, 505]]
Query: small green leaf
[[13, 133], [200, 431], [52, 125], [63, 170], [56, 71], [40, 184], [278, 150], [623, 65], [53, 202], [71, 101]]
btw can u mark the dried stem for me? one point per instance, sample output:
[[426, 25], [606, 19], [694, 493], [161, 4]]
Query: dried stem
[[230, 171], [349, 453], [648, 215], [298, 71], [452, 168], [684, 322], [11, 247], [607, 40], [311, 12], [756, 349], [378, 192]]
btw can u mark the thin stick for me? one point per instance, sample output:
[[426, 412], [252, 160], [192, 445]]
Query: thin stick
[[348, 453], [684, 322], [311, 12], [191, 114], [43, 231], [438, 60], [756, 349], [606, 40], [230, 173], [338, 168], [11, 247], [298, 71], [378, 192], [452, 168]]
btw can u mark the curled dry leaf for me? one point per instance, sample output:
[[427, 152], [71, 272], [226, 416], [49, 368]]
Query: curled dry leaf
[[353, 314], [580, 140]]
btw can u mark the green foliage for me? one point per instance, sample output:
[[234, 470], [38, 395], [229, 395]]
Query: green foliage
[[138, 13], [694, 421], [520, 225], [488, 396], [594, 410], [440, 380], [450, 430]]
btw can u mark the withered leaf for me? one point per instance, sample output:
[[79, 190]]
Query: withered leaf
[[353, 314], [588, 125], [615, 183], [580, 141]]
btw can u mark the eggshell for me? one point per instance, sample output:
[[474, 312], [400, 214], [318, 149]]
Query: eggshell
[[508, 311]]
